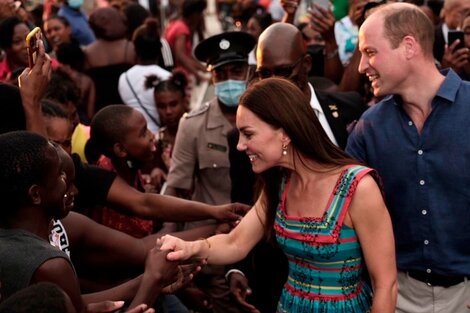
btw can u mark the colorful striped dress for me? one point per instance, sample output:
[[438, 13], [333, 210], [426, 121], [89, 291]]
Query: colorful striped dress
[[325, 258]]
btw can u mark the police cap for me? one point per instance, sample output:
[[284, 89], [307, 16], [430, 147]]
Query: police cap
[[225, 48]]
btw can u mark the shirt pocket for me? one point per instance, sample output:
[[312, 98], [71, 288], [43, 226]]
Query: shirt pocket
[[213, 155]]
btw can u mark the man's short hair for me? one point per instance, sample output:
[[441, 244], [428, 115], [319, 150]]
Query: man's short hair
[[24, 163], [402, 20]]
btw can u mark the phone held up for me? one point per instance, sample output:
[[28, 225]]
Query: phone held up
[[324, 4], [32, 45], [453, 36]]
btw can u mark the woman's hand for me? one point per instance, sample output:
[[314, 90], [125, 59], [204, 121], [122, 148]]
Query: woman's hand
[[180, 250]]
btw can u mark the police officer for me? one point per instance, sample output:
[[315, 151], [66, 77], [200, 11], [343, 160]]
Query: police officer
[[200, 164]]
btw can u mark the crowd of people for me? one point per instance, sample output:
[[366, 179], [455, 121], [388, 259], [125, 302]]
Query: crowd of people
[[327, 173]]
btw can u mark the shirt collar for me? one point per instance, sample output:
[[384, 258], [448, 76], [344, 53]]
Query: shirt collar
[[445, 32], [314, 103], [450, 86], [215, 117], [447, 91]]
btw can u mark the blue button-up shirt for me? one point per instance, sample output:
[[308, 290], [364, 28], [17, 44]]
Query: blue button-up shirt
[[426, 176]]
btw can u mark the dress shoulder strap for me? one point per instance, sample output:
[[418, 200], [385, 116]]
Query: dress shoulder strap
[[344, 190]]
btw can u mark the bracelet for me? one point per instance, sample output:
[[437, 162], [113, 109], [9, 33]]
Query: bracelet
[[331, 55], [233, 270], [207, 241]]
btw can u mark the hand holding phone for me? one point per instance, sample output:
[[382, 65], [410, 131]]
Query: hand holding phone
[[453, 35], [32, 45], [324, 4]]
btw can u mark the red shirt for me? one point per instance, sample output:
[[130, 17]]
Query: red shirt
[[128, 224], [177, 29], [5, 71]]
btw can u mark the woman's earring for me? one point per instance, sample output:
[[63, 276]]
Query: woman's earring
[[284, 150]]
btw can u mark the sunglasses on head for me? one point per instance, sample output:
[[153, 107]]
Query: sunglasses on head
[[283, 71]]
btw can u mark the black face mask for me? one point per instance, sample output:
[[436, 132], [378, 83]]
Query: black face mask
[[316, 52]]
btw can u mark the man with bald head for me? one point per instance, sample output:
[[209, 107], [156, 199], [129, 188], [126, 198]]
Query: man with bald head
[[281, 52], [417, 140]]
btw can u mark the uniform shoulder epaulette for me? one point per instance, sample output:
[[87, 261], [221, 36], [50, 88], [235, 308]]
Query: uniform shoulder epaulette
[[203, 108]]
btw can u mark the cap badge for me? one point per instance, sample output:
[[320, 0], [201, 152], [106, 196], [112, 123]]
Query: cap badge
[[224, 44]]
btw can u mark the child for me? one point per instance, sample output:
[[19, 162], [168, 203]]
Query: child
[[120, 135], [171, 103], [58, 125]]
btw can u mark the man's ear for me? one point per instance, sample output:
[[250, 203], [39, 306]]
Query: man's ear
[[34, 194], [307, 63], [411, 46], [119, 150]]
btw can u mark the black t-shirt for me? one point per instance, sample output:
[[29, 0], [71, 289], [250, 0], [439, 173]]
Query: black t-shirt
[[93, 184]]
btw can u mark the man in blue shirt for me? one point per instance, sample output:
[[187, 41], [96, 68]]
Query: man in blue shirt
[[417, 139]]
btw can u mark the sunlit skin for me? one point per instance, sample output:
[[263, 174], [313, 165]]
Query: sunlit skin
[[59, 130], [171, 105], [57, 32], [379, 60], [260, 141], [17, 54]]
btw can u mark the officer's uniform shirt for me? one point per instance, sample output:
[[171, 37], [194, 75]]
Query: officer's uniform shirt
[[200, 155]]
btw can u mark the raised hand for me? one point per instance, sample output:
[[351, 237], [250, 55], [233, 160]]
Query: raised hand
[[455, 58], [322, 21], [33, 84]]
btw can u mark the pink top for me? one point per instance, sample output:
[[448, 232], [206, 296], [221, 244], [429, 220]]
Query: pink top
[[174, 30]]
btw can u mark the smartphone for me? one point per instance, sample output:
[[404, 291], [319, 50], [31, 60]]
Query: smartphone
[[453, 36], [324, 4], [32, 45]]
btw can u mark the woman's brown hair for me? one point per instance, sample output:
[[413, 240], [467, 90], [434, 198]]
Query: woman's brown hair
[[281, 104]]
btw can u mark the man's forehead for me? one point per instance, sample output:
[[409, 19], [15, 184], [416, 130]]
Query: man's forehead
[[276, 55]]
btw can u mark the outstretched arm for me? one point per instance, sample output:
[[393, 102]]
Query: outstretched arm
[[221, 249], [372, 223], [167, 208], [98, 247]]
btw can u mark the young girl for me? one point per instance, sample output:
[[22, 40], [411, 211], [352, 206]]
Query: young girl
[[120, 135], [58, 125], [171, 103]]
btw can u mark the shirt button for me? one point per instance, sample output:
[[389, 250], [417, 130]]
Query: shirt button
[[410, 123], [422, 182], [424, 212], [426, 242], [214, 165], [428, 271], [420, 152]]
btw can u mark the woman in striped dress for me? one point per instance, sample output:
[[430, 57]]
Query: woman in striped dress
[[325, 211]]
